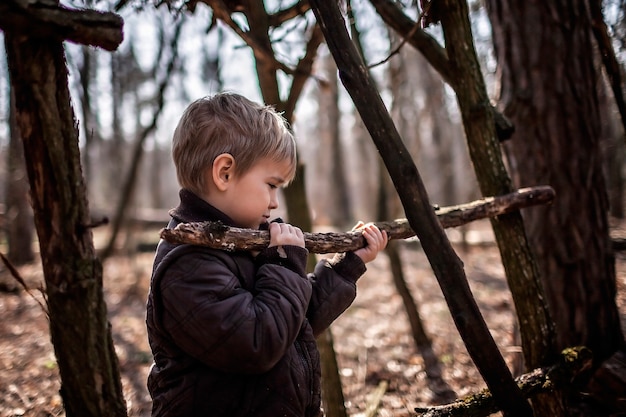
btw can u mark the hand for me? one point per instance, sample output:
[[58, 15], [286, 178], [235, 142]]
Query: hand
[[285, 234], [375, 238]]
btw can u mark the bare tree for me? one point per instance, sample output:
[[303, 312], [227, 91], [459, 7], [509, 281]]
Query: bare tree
[[18, 213], [330, 193], [137, 152], [81, 334]]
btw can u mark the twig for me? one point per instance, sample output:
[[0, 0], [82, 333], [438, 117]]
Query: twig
[[16, 275], [375, 398], [218, 236]]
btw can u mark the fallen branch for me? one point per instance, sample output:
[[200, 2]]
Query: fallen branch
[[572, 362], [218, 236]]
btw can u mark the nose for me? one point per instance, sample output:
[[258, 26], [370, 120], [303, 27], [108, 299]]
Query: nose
[[273, 200]]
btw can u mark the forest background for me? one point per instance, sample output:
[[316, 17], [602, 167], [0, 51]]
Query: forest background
[[128, 102]]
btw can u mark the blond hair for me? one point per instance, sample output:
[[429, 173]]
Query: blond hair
[[228, 123]]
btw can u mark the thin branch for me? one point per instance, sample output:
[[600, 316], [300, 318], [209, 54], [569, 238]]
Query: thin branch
[[422, 41], [376, 397], [218, 236], [16, 275], [297, 9], [405, 39], [222, 12]]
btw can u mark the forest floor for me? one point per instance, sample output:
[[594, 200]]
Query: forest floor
[[372, 338]]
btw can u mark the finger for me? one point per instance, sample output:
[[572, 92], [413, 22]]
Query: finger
[[274, 228], [358, 226]]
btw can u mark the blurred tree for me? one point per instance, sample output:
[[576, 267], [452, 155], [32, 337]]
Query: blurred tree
[[610, 35], [18, 214], [330, 196], [143, 133], [551, 95]]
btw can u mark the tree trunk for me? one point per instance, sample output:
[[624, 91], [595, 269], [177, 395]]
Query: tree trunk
[[537, 333], [550, 95], [19, 214], [80, 332]]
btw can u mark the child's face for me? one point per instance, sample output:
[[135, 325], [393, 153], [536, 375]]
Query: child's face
[[252, 196]]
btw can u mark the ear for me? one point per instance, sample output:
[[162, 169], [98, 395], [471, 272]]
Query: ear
[[222, 172]]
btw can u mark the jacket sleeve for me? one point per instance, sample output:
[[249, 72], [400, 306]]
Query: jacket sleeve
[[211, 317], [334, 289]]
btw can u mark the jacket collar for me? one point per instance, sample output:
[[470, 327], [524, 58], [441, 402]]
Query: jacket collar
[[194, 209]]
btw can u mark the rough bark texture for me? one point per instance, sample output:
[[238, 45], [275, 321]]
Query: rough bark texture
[[79, 328], [219, 236], [446, 264], [550, 94]]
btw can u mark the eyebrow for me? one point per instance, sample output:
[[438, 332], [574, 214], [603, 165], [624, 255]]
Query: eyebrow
[[277, 179]]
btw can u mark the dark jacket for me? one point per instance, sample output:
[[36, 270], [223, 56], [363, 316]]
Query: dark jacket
[[234, 335]]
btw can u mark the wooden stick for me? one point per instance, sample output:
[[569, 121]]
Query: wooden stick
[[218, 236]]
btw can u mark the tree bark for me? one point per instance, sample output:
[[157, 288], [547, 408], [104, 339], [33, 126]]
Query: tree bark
[[81, 334]]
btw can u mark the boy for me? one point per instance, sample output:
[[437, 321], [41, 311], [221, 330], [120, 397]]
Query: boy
[[233, 333]]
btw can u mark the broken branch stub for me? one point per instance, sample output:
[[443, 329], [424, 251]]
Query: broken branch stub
[[218, 236]]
